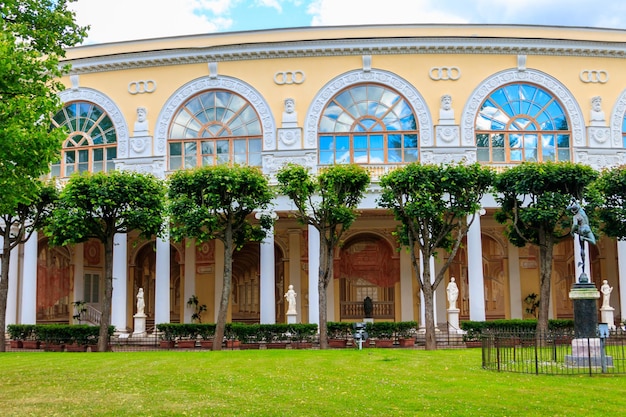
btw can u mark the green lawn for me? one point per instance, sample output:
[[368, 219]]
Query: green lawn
[[371, 382]]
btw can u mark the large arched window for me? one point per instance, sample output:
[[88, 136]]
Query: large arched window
[[215, 127], [522, 122], [368, 124], [91, 143]]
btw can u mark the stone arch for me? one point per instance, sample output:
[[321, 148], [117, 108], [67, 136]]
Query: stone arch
[[114, 112], [497, 80], [355, 77], [222, 82]]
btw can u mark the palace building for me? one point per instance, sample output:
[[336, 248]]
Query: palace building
[[380, 96]]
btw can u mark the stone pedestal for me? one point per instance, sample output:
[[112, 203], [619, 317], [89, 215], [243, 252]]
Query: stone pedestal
[[453, 321], [584, 296], [368, 320], [587, 352], [292, 318], [607, 316], [140, 325]]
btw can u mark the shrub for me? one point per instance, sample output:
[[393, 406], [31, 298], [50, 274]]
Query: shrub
[[338, 329]]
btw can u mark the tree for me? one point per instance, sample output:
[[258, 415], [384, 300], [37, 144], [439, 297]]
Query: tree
[[611, 186], [101, 205], [533, 200], [33, 37], [432, 204], [16, 226], [215, 202], [327, 202]]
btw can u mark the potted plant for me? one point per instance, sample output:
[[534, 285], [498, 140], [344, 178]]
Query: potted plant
[[406, 332], [338, 332], [382, 332], [186, 335], [247, 335], [302, 335], [206, 331], [198, 309], [31, 337], [167, 336], [275, 335], [17, 334]]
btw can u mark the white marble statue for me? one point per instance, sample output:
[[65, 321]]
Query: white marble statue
[[597, 115], [453, 293], [446, 113], [141, 125], [290, 116], [141, 305], [290, 296], [606, 290]]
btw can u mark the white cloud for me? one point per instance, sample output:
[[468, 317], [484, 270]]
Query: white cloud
[[118, 20], [356, 12]]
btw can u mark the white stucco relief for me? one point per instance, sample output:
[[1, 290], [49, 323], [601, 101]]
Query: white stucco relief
[[617, 117], [209, 83], [96, 97], [414, 98], [468, 117]]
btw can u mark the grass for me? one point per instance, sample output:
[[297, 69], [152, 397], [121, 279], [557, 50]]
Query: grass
[[371, 382]]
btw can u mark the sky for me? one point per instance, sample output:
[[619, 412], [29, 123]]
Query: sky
[[126, 20]]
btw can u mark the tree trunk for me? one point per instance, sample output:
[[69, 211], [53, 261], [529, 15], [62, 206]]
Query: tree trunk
[[545, 272], [226, 288], [429, 316], [325, 277], [105, 321], [4, 289]]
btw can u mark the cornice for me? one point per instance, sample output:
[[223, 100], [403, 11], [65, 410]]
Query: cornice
[[343, 47]]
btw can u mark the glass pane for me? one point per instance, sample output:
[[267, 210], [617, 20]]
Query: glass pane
[[410, 155], [326, 158], [98, 154], [564, 155], [175, 162], [190, 161], [531, 155], [394, 141], [97, 166], [360, 157], [207, 160], [176, 148], [360, 142], [563, 141], [410, 141], [343, 142], [498, 155], [111, 153], [326, 142], [482, 154], [254, 146], [376, 141], [207, 148], [516, 155], [240, 146], [394, 155], [377, 157], [190, 148], [83, 155], [254, 159]]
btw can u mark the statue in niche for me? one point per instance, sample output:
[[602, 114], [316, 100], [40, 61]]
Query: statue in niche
[[446, 112], [597, 115], [141, 125], [141, 305], [290, 116], [453, 293], [290, 296]]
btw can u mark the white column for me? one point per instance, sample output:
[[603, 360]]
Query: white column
[[406, 287], [314, 267], [190, 278], [162, 290], [119, 302], [267, 292], [475, 271], [11, 314], [621, 268], [294, 267], [515, 283], [28, 303]]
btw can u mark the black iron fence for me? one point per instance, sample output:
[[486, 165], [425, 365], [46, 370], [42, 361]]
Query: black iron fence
[[555, 352]]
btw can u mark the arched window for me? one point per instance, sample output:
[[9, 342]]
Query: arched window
[[368, 124], [91, 143], [215, 127], [522, 122]]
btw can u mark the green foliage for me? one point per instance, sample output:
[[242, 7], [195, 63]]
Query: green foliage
[[381, 329], [21, 331], [533, 199], [198, 308], [81, 334], [206, 201], [102, 204], [338, 329], [514, 325], [611, 185], [303, 332], [406, 329], [246, 333], [432, 202], [327, 201]]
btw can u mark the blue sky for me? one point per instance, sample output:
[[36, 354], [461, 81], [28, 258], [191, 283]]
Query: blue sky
[[121, 20]]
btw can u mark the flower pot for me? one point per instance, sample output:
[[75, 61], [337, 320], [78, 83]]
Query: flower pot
[[245, 346], [74, 347], [54, 347], [301, 345], [31, 344], [230, 344], [186, 344], [276, 345], [406, 342], [167, 344], [473, 344], [206, 344], [16, 344], [337, 343], [383, 343]]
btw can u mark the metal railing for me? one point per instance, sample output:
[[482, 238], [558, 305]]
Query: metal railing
[[556, 353]]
